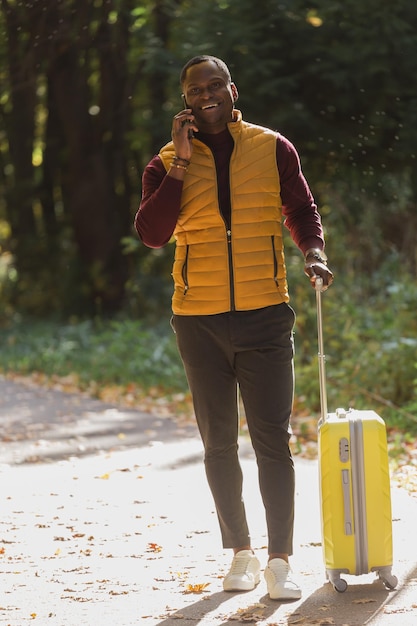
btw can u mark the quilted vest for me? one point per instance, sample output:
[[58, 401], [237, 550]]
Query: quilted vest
[[217, 270]]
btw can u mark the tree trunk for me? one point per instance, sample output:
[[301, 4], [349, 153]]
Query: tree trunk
[[20, 125], [89, 178]]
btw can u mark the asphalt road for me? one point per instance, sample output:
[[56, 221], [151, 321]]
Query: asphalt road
[[106, 519]]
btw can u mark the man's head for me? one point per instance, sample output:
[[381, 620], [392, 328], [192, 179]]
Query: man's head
[[209, 92], [203, 58]]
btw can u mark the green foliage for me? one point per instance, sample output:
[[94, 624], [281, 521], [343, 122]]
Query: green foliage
[[88, 98], [104, 352], [370, 341], [149, 289]]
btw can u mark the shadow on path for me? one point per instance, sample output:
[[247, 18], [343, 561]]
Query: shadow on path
[[40, 425], [355, 607], [209, 609], [324, 606]]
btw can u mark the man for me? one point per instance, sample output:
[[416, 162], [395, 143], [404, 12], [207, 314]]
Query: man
[[221, 186]]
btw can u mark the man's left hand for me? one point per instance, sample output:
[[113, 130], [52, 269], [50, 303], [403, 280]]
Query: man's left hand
[[313, 270], [316, 265]]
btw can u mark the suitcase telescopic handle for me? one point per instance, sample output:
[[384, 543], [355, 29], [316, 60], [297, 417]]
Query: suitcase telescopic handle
[[321, 356]]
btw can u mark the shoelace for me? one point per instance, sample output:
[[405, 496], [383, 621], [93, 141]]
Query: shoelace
[[280, 572], [239, 564]]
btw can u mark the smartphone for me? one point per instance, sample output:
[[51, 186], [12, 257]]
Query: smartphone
[[190, 132]]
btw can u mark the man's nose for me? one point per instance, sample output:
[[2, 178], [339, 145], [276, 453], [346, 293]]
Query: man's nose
[[206, 92]]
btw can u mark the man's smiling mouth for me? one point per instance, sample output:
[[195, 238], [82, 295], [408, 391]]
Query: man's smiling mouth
[[209, 106]]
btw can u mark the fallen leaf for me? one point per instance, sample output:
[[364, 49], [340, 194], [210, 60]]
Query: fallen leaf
[[86, 552], [392, 610], [253, 613], [199, 588], [118, 593], [363, 601], [153, 547]]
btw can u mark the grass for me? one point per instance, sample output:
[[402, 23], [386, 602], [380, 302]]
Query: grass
[[116, 352]]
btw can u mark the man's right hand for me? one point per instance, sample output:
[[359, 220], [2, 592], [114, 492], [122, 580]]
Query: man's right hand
[[183, 125]]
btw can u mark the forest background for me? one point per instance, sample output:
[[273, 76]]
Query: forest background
[[88, 92]]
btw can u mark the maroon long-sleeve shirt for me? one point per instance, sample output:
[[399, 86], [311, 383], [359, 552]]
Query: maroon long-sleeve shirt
[[157, 216]]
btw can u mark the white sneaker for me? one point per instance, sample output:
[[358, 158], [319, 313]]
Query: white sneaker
[[244, 573], [280, 586]]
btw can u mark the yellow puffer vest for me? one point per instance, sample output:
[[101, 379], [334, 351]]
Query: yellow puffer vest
[[216, 270]]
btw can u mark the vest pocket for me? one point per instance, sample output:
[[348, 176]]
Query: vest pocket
[[275, 260], [184, 271]]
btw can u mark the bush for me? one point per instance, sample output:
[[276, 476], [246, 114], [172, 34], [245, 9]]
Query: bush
[[370, 341], [107, 352]]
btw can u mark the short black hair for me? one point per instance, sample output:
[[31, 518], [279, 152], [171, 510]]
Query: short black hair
[[202, 58]]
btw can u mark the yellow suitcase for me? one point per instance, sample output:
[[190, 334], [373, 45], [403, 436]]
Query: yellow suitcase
[[355, 489]]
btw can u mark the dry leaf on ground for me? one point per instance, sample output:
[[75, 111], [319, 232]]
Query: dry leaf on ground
[[252, 613], [363, 601], [154, 547], [199, 588]]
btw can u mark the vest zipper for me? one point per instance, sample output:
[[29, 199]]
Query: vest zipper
[[231, 276]]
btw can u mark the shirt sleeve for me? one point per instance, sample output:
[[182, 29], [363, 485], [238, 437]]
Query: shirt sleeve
[[298, 206], [160, 205]]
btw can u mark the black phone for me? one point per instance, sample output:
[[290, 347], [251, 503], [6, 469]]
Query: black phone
[[190, 132]]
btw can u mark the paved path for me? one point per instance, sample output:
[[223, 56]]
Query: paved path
[[106, 519]]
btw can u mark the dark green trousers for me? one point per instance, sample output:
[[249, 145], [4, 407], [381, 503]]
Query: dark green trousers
[[251, 351]]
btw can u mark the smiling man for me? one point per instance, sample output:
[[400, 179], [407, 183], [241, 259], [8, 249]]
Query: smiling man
[[222, 187]]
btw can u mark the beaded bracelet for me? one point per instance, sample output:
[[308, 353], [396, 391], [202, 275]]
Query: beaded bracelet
[[180, 167], [177, 158]]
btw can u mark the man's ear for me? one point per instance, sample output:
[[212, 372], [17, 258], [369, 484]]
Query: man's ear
[[235, 92]]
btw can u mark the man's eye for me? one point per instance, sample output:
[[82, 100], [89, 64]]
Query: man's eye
[[195, 91]]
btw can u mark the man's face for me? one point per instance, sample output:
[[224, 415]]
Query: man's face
[[210, 95]]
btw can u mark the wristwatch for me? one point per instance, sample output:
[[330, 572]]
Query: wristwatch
[[316, 254]]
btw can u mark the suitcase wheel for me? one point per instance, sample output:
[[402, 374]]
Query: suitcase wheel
[[390, 581], [340, 585]]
